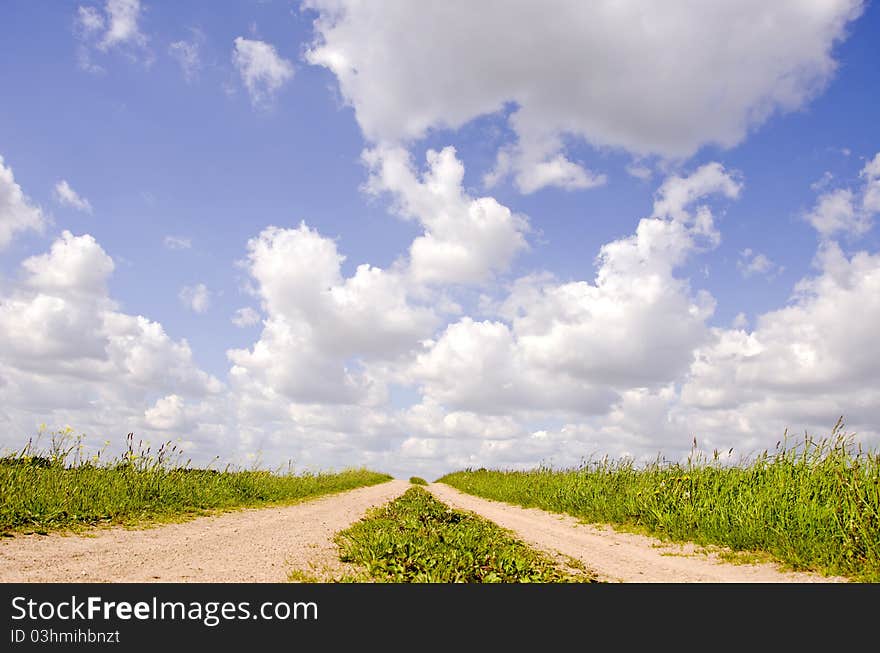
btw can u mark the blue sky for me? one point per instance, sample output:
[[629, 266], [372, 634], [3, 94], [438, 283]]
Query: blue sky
[[591, 230]]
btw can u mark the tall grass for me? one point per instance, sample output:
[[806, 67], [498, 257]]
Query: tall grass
[[58, 487], [814, 506]]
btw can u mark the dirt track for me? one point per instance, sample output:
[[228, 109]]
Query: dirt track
[[265, 545], [249, 546]]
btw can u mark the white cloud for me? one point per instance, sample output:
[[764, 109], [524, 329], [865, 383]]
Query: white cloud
[[64, 194], [186, 54], [836, 212], [751, 263], [483, 368], [168, 414], [466, 240], [245, 317], [677, 193], [842, 211], [802, 364], [17, 212], [262, 70], [197, 298], [570, 346], [69, 356], [322, 329], [539, 166], [639, 171], [430, 420], [800, 368], [122, 24], [822, 182], [624, 364], [488, 391], [115, 28], [90, 19], [74, 265], [177, 242], [871, 193], [651, 78]]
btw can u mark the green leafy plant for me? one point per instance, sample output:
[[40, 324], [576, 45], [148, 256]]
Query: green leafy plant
[[418, 539]]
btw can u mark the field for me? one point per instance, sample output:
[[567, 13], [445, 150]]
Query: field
[[57, 488], [814, 506]]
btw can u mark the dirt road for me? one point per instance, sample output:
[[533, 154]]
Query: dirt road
[[266, 544], [613, 556], [249, 546]]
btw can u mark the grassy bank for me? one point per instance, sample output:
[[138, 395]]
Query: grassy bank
[[417, 539], [814, 506], [57, 488]]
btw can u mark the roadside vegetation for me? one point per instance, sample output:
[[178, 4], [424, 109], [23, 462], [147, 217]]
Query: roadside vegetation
[[417, 480], [418, 539], [59, 488], [813, 506]]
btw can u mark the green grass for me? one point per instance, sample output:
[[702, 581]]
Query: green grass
[[60, 489], [417, 480], [814, 506], [417, 539]]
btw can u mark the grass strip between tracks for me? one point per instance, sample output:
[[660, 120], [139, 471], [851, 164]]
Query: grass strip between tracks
[[418, 539]]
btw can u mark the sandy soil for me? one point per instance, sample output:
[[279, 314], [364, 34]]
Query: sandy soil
[[254, 545], [614, 556]]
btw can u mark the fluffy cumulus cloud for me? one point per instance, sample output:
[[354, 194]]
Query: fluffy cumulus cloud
[[836, 212], [72, 265], [17, 212], [167, 414], [331, 346], [483, 368], [843, 211], [321, 327], [567, 346], [466, 240], [662, 78], [70, 356], [736, 391], [802, 364], [65, 195], [263, 71], [625, 364]]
